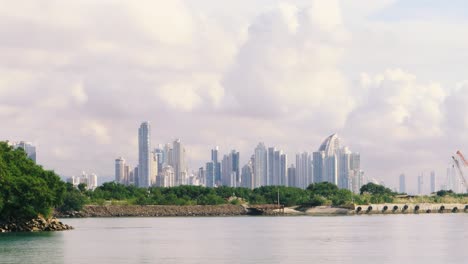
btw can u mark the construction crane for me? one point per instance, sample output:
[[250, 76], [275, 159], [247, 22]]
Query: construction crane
[[460, 171], [462, 158]]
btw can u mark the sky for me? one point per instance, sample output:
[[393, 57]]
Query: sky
[[78, 77]]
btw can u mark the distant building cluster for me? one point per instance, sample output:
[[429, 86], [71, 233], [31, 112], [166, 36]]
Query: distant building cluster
[[161, 166], [89, 179], [28, 147], [165, 166]]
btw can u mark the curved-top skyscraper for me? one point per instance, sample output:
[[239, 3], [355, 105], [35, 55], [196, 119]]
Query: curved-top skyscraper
[[337, 164]]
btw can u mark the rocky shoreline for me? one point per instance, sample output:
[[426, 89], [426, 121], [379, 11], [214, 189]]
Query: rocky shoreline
[[240, 210], [35, 225], [155, 211]]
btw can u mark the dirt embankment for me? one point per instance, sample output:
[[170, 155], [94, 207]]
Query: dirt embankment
[[157, 210]]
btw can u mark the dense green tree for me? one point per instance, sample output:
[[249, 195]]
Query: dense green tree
[[26, 189], [342, 197], [74, 199], [376, 189], [325, 189], [444, 193]]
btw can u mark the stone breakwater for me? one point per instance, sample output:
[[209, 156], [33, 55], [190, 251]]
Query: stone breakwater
[[157, 210], [34, 225]]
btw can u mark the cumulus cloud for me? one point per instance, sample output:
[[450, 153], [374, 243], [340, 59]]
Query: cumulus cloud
[[288, 65], [396, 102], [456, 122], [79, 74], [96, 129], [79, 94]]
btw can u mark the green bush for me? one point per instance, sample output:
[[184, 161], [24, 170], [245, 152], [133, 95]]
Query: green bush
[[26, 189]]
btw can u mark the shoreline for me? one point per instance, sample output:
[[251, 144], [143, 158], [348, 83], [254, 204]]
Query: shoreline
[[39, 224], [243, 210]]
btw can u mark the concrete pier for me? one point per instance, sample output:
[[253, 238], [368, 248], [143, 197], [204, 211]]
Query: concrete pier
[[410, 208]]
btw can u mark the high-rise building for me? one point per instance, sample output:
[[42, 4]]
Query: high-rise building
[[292, 176], [356, 175], [420, 184], [210, 174], [159, 152], [154, 168], [144, 155], [433, 182], [270, 166], [126, 174], [304, 170], [120, 170], [201, 176], [136, 178], [319, 162], [230, 174], [337, 164], [28, 147], [180, 169], [283, 167], [217, 166], [402, 183], [235, 159], [260, 166], [166, 178], [247, 176], [167, 155], [88, 179]]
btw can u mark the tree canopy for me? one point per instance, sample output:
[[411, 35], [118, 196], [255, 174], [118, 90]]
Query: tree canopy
[[26, 189]]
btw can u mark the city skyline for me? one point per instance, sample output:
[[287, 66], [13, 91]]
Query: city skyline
[[332, 162], [286, 73]]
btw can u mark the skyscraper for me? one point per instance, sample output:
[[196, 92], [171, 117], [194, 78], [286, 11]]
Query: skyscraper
[[154, 168], [420, 184], [318, 160], [28, 147], [356, 175], [247, 176], [304, 170], [260, 166], [270, 166], [283, 167], [337, 164], [120, 170], [159, 152], [217, 165], [402, 183], [144, 155], [230, 174], [433, 182], [292, 176], [210, 174], [180, 169]]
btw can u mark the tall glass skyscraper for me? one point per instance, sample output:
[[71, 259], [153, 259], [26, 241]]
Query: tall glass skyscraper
[[144, 155], [260, 166], [402, 183]]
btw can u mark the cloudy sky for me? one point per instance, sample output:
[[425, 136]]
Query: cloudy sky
[[78, 77]]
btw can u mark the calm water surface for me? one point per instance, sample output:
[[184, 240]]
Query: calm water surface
[[359, 239]]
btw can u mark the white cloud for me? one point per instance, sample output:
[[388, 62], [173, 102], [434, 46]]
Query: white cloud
[[79, 94], [97, 130], [397, 103], [92, 70], [288, 66], [169, 22]]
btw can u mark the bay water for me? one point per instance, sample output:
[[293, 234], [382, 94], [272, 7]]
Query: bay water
[[428, 238]]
